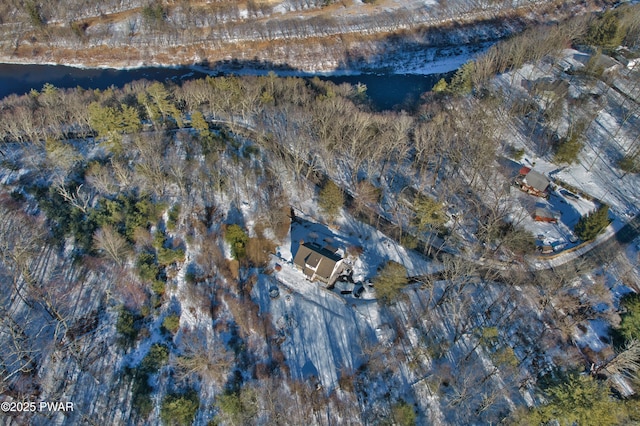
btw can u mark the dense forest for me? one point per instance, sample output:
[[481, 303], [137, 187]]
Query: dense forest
[[137, 225]]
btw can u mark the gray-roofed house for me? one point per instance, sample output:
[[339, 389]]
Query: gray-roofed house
[[318, 263], [533, 182]]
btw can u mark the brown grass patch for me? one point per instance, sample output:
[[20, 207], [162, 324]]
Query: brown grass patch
[[259, 249]]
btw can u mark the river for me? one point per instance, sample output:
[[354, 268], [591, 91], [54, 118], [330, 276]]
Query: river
[[385, 91]]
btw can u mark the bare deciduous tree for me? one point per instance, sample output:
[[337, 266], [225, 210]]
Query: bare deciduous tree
[[81, 198], [112, 244], [212, 362]]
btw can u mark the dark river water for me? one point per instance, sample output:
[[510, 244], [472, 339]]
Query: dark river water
[[385, 91]]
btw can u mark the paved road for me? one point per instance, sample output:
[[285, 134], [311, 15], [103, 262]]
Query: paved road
[[604, 251]]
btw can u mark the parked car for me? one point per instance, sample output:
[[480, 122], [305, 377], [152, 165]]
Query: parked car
[[357, 292], [569, 194]]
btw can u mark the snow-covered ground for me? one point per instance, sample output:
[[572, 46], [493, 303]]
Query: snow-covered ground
[[426, 61], [569, 209], [320, 333], [608, 137], [611, 131], [324, 330]]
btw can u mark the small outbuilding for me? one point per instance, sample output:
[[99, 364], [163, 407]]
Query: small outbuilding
[[545, 215], [546, 249]]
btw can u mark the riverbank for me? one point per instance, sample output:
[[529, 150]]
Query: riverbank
[[339, 39], [424, 62], [396, 79], [385, 91]]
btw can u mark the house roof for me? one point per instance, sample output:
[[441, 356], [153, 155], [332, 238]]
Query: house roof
[[331, 248], [311, 255], [536, 180], [524, 170], [308, 272], [545, 213], [313, 259], [548, 84]]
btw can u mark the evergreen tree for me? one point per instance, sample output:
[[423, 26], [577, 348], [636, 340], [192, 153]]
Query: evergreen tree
[[126, 326], [154, 15], [179, 410], [207, 138], [403, 414], [440, 87], [589, 226], [156, 358], [151, 109], [230, 406], [567, 150], [111, 123], [128, 120], [199, 124], [331, 200], [239, 407], [171, 323], [237, 238], [390, 282], [605, 31], [160, 98], [579, 400], [429, 213], [629, 164], [630, 324], [35, 14], [462, 83]]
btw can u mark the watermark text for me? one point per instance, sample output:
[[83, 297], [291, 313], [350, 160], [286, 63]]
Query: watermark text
[[33, 406]]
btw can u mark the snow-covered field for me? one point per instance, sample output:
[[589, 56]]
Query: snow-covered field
[[320, 333]]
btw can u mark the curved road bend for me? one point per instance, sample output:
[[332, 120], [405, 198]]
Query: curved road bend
[[605, 250]]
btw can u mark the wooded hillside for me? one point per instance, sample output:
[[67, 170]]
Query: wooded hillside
[[146, 235], [309, 35]]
